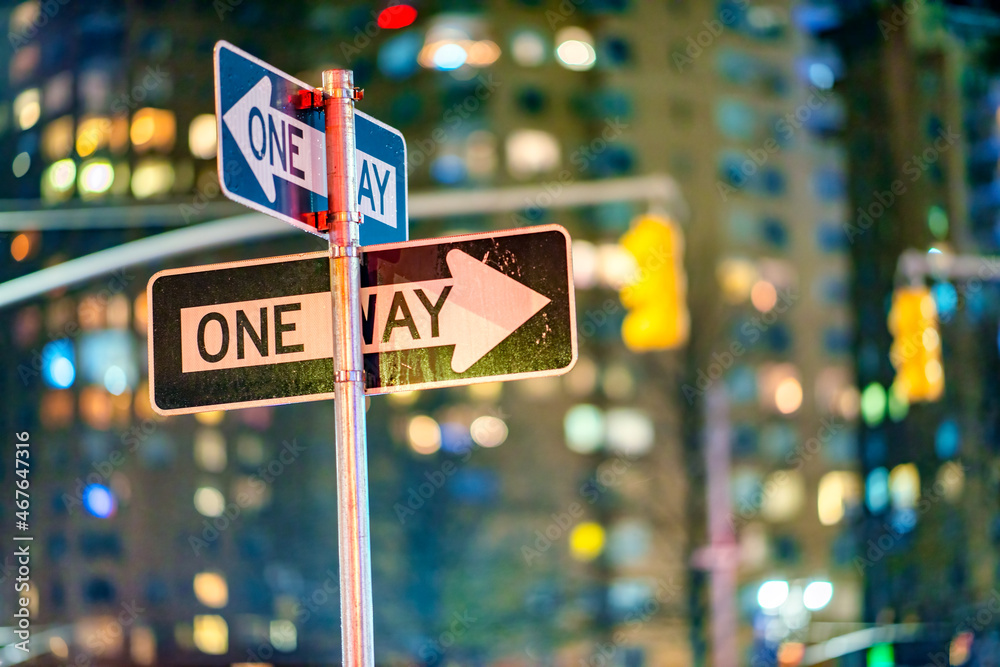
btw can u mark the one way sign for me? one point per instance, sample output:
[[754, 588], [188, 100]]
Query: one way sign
[[272, 156], [435, 313]]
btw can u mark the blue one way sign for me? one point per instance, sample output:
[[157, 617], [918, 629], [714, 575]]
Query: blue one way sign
[[272, 155]]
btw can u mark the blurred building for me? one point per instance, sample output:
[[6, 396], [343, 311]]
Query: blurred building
[[755, 121], [211, 539], [921, 85]]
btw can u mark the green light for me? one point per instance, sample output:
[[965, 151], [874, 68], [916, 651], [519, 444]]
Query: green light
[[881, 655], [873, 404], [899, 404], [937, 221]]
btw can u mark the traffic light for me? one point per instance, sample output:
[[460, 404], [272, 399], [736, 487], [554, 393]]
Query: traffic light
[[916, 345], [656, 297]]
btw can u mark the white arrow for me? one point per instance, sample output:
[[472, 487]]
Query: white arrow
[[474, 310], [276, 144]]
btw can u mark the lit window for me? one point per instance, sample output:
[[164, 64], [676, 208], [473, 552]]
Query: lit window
[[106, 627], [210, 418], [629, 431], [142, 645], [736, 119], [904, 486], [736, 278], [152, 177], [59, 364], [779, 387], [58, 180], [763, 296], [951, 480], [488, 431], [585, 264], [202, 136], [788, 396], [482, 53], [584, 428], [531, 152], [211, 590], [873, 404], [250, 493], [877, 490], [99, 501], [92, 134], [21, 164], [27, 108], [528, 48], [586, 541], [96, 177], [153, 129], [209, 501], [96, 408], [784, 492], [575, 49], [283, 635], [424, 435], [20, 247], [947, 439], [211, 634], [483, 391], [616, 266], [210, 449], [838, 490]]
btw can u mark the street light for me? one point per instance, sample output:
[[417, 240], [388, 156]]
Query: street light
[[772, 594], [817, 595]]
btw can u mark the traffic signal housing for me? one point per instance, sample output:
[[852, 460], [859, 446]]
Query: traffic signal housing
[[916, 345], [656, 296]]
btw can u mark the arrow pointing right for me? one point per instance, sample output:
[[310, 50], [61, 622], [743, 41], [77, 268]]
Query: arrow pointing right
[[474, 310]]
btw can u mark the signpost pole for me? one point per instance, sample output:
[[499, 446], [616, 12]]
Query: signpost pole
[[357, 631]]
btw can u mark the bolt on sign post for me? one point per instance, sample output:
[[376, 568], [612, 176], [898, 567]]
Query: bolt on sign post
[[345, 323]]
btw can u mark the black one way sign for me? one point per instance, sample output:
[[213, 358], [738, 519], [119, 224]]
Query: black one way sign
[[436, 313]]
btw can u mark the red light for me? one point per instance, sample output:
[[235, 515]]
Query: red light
[[397, 16]]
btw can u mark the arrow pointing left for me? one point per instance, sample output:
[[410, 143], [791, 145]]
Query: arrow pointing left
[[275, 144]]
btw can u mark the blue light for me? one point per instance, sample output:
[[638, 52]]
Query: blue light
[[947, 440], [397, 58], [448, 169], [115, 380], [449, 57], [59, 364], [946, 299], [99, 501], [877, 490]]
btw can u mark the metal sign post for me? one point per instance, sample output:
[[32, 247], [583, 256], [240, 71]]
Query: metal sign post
[[357, 633]]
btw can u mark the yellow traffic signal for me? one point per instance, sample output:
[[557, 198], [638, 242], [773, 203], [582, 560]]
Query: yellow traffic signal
[[656, 297], [916, 345]]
